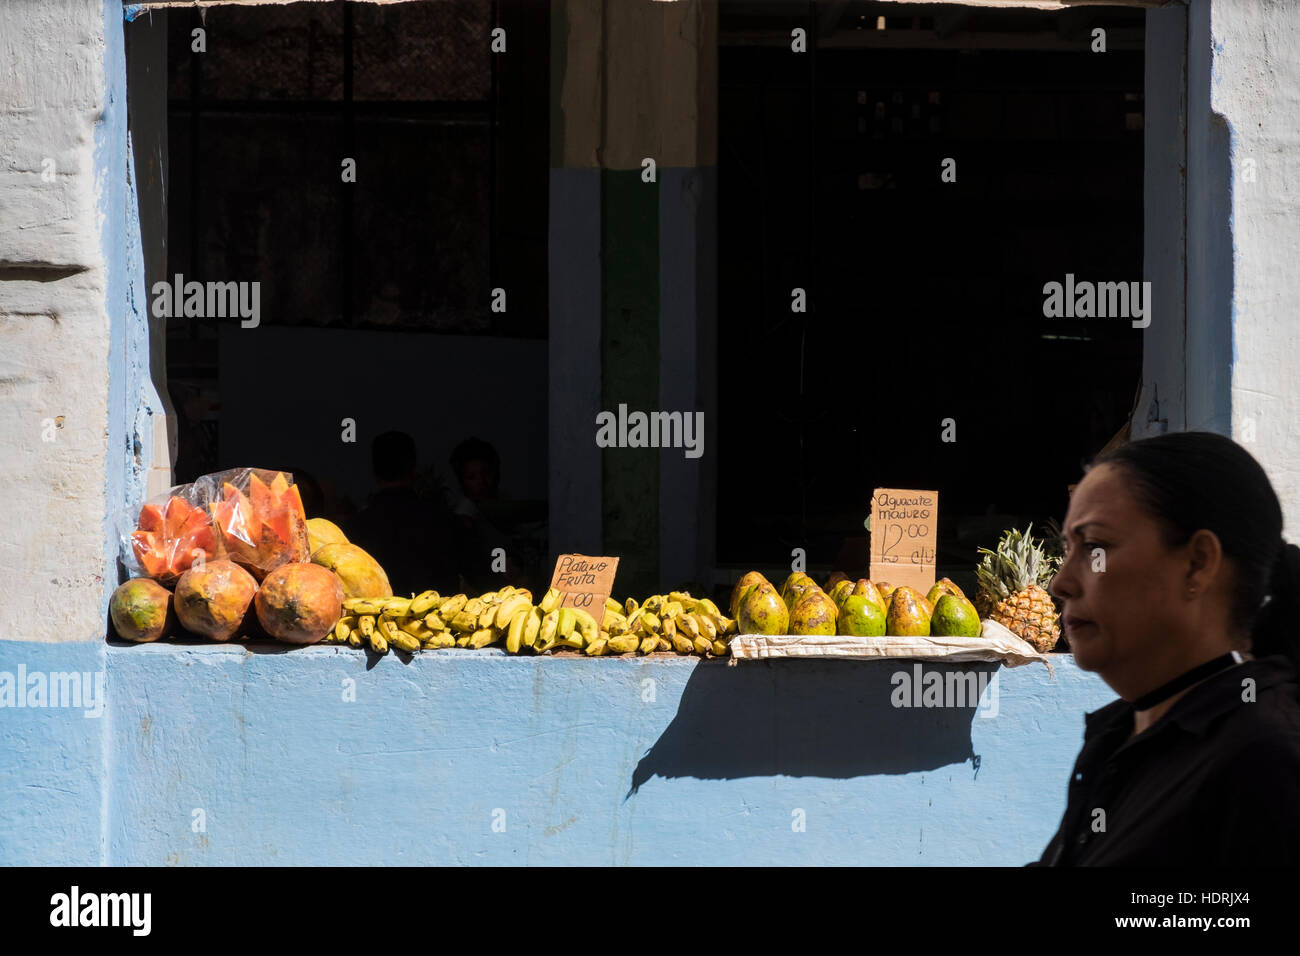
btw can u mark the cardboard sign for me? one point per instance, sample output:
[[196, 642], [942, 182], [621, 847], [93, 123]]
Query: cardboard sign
[[585, 582], [904, 537]]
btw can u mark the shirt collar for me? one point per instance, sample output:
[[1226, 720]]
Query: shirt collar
[[1204, 703]]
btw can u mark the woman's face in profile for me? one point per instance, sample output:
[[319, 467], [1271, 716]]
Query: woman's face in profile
[[1121, 586]]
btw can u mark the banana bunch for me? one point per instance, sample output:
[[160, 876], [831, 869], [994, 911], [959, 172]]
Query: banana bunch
[[429, 621], [664, 622], [669, 622]]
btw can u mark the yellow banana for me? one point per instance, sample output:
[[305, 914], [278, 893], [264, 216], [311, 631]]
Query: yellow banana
[[649, 644], [515, 631], [546, 633], [484, 636], [464, 622], [508, 608], [682, 644], [687, 625], [434, 622], [370, 606], [624, 644], [356, 639], [681, 597], [630, 606], [415, 627], [378, 643], [651, 621], [705, 624], [568, 620], [341, 630], [720, 648], [532, 625], [703, 645], [487, 617], [550, 600], [401, 640], [653, 603], [671, 609], [597, 648], [424, 602], [397, 606], [451, 605], [366, 624], [586, 625], [474, 606], [613, 606]]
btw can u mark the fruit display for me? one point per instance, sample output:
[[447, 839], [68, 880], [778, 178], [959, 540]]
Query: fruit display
[[1013, 581], [674, 622], [859, 608]]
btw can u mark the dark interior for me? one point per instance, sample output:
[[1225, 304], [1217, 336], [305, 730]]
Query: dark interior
[[925, 298]]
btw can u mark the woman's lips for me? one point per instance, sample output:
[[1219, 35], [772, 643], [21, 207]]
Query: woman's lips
[[1073, 624]]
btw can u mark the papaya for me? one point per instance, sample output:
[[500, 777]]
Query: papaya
[[170, 537], [299, 602], [212, 600], [141, 610], [322, 531], [361, 574], [265, 528]]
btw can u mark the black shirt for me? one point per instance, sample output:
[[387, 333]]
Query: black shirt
[[1213, 782]]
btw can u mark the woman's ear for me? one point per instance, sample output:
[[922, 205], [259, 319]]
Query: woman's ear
[[1205, 561]]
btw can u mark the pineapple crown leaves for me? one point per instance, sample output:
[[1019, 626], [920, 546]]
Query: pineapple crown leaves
[[1018, 562]]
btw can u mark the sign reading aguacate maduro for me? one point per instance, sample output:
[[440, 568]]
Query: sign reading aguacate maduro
[[904, 536], [585, 582]]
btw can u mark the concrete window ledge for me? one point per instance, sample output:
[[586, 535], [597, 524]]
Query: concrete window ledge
[[329, 755]]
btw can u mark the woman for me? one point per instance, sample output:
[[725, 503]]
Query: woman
[[1178, 589]]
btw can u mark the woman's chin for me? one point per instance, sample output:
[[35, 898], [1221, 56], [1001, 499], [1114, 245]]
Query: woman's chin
[[1086, 645]]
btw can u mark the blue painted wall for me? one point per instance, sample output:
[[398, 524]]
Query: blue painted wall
[[583, 766]]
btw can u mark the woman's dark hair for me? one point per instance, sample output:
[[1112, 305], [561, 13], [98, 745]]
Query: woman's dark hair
[[1193, 480]]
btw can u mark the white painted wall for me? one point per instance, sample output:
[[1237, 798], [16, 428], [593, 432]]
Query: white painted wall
[[54, 327], [1255, 87]]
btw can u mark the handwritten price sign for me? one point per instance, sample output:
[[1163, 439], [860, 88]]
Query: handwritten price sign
[[585, 582], [904, 536]]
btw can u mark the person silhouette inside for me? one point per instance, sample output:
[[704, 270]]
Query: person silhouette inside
[[410, 535]]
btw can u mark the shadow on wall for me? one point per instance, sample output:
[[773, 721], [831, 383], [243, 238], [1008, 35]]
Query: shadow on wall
[[808, 718]]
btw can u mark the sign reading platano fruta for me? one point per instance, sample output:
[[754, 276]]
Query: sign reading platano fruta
[[585, 582]]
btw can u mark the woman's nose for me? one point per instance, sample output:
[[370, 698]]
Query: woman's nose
[[1063, 584]]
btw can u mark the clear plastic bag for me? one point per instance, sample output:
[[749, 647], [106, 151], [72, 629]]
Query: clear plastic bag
[[258, 517], [171, 533]]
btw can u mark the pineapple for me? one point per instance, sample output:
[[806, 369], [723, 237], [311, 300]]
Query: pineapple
[[1011, 591]]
